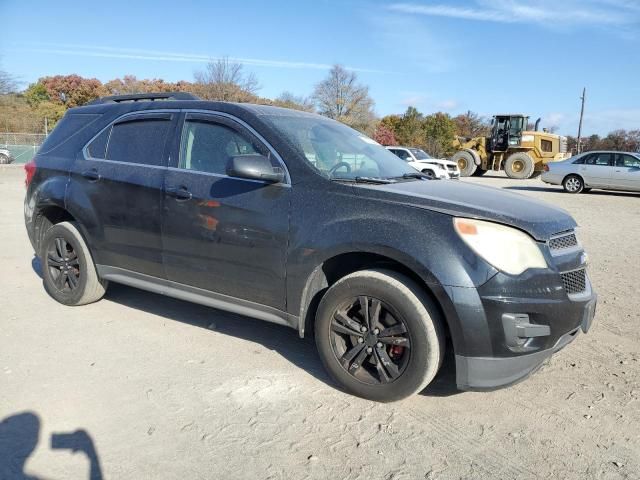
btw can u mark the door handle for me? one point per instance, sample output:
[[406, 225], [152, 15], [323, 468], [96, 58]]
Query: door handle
[[91, 175], [179, 193]]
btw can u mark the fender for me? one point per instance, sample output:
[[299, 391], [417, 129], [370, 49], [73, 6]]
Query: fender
[[50, 193]]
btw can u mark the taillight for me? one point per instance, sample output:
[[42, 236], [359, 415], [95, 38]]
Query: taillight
[[545, 167], [30, 170]]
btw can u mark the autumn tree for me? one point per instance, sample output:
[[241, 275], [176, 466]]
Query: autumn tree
[[470, 125], [68, 90], [131, 84], [341, 97], [225, 80], [384, 135]]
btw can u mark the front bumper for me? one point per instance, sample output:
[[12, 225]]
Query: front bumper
[[491, 373], [511, 325]]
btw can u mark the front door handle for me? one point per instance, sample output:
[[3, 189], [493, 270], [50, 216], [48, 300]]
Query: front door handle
[[179, 193], [91, 175]]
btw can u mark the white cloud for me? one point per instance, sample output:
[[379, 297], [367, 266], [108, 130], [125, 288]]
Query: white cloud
[[138, 54], [540, 12]]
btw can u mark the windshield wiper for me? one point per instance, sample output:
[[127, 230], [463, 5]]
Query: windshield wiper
[[417, 175], [373, 180]]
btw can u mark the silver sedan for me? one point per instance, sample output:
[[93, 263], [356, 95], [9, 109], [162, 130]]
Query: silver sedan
[[600, 169]]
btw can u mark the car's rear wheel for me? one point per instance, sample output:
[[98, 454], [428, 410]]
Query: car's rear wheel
[[573, 184], [68, 272], [379, 336]]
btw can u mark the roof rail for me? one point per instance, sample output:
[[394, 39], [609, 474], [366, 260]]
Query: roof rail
[[145, 97]]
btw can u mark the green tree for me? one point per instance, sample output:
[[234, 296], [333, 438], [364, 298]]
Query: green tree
[[36, 94], [440, 130]]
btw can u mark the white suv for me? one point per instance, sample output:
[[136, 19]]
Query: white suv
[[423, 162]]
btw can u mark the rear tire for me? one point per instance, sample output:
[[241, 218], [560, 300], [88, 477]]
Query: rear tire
[[379, 364], [466, 163], [519, 166], [4, 159], [573, 184], [68, 272]]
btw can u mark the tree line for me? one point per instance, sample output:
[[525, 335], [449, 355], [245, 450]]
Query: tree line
[[340, 96]]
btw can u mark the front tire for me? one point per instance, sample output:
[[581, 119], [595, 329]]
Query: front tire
[[379, 335], [68, 272], [4, 159], [466, 163], [573, 184], [429, 174]]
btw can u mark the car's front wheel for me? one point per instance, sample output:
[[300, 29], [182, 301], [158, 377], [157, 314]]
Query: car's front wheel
[[68, 272], [379, 336], [429, 174], [573, 184]]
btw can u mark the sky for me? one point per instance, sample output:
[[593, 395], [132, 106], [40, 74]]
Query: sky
[[488, 56]]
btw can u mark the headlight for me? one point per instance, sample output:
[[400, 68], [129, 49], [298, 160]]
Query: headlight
[[507, 249]]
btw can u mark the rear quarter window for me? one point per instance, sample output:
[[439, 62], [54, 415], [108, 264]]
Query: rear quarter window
[[70, 125]]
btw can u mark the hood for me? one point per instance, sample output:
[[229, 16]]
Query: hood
[[540, 219]]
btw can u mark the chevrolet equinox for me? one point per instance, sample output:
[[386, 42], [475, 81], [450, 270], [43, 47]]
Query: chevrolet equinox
[[297, 219]]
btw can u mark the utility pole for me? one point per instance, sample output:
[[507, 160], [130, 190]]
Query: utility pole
[[579, 146]]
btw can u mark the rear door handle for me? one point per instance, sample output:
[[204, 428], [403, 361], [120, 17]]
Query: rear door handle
[[91, 175], [179, 193]]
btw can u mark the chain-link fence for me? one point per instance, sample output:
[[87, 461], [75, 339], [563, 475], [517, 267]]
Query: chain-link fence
[[22, 146]]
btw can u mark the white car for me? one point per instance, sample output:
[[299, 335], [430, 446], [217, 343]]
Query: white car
[[425, 163], [600, 169]]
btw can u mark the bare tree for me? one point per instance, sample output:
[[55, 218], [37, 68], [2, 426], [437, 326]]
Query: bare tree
[[225, 80], [342, 98], [297, 102], [8, 83]]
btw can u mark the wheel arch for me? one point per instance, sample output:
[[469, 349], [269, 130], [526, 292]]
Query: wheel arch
[[337, 266]]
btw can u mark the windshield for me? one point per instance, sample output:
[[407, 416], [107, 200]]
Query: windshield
[[420, 154], [337, 151]]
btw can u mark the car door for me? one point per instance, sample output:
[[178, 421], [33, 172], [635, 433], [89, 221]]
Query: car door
[[222, 234], [626, 173], [117, 181], [597, 169]]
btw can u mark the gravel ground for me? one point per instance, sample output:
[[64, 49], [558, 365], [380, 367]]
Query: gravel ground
[[159, 388]]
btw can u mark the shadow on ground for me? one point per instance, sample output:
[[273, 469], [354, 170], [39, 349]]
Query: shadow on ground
[[19, 435], [283, 340]]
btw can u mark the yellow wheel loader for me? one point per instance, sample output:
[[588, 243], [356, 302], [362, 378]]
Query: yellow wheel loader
[[510, 147]]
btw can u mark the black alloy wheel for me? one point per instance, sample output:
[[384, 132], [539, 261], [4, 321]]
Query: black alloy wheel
[[370, 340], [63, 264]]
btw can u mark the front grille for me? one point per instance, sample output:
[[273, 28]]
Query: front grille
[[565, 241], [452, 168], [575, 281]]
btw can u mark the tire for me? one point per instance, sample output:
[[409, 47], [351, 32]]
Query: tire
[[573, 184], [401, 366], [4, 159], [519, 166], [466, 163], [68, 272], [429, 173]]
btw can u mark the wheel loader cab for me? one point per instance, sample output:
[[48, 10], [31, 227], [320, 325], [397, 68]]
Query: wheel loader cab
[[506, 131]]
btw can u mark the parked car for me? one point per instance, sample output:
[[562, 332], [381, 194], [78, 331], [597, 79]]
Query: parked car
[[423, 162], [296, 219], [5, 156], [600, 169]]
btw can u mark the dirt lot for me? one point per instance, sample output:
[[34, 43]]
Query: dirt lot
[[166, 389]]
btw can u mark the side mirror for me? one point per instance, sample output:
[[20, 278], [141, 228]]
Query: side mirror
[[254, 167]]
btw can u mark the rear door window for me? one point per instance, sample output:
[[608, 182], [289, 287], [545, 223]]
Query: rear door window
[[139, 140]]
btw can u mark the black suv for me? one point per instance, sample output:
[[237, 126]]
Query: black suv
[[299, 220]]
